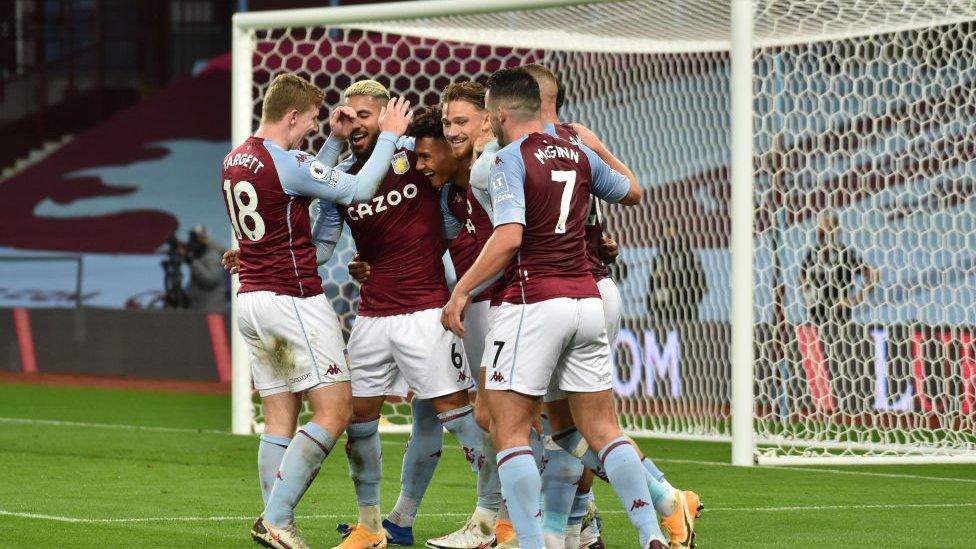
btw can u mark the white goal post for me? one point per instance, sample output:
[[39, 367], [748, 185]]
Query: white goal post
[[801, 277]]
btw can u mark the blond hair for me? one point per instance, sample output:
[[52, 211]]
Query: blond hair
[[548, 82], [369, 88], [289, 91]]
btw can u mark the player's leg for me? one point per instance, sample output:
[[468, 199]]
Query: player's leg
[[479, 528], [529, 340], [583, 529], [279, 406], [283, 324], [419, 463], [332, 408], [374, 375], [433, 364], [559, 479], [280, 416], [663, 494], [512, 415], [585, 375]]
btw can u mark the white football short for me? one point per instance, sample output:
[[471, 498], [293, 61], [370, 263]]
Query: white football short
[[475, 329], [295, 343], [390, 355], [610, 295], [562, 339]]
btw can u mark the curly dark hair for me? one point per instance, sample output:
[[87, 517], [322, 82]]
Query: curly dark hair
[[426, 123]]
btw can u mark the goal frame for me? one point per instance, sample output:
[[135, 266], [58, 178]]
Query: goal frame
[[741, 46], [242, 45]]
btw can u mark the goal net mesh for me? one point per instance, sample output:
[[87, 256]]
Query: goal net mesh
[[864, 140]]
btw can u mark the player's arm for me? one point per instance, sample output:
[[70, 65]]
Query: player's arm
[[481, 169], [452, 225], [508, 197], [611, 185], [326, 230], [592, 141], [301, 175], [340, 126]]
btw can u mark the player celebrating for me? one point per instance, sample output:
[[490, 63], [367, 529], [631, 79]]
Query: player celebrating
[[465, 120], [267, 186], [397, 343], [436, 161], [551, 320], [678, 509]]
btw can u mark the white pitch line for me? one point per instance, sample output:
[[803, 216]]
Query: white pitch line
[[127, 427], [785, 509], [121, 426], [817, 470]]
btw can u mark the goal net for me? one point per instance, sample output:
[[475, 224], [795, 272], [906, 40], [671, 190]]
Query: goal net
[[864, 238]]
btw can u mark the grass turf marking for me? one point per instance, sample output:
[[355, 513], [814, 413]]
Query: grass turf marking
[[127, 427], [786, 509]]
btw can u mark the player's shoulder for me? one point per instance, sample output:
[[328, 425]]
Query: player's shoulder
[[513, 151], [250, 145]]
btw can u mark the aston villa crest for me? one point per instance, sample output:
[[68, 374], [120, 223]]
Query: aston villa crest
[[400, 163]]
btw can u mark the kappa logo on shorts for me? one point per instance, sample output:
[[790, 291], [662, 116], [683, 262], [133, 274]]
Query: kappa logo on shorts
[[333, 370], [497, 376], [462, 376], [637, 504], [400, 163]]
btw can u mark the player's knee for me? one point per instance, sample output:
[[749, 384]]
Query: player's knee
[[278, 427], [559, 415], [481, 414], [599, 433], [450, 402], [366, 408]]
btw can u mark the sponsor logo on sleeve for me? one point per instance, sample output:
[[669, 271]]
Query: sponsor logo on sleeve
[[318, 170], [400, 163], [499, 188], [499, 183], [334, 178]]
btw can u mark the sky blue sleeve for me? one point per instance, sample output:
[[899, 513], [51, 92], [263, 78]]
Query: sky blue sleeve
[[507, 186], [407, 142], [302, 174], [482, 166], [608, 184], [330, 151], [326, 229], [452, 225]]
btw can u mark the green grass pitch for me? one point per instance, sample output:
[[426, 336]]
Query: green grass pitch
[[77, 473]]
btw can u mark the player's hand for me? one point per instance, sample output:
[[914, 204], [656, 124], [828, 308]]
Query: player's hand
[[608, 250], [341, 122], [452, 316], [588, 137], [359, 269], [395, 116], [480, 144], [230, 261]]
